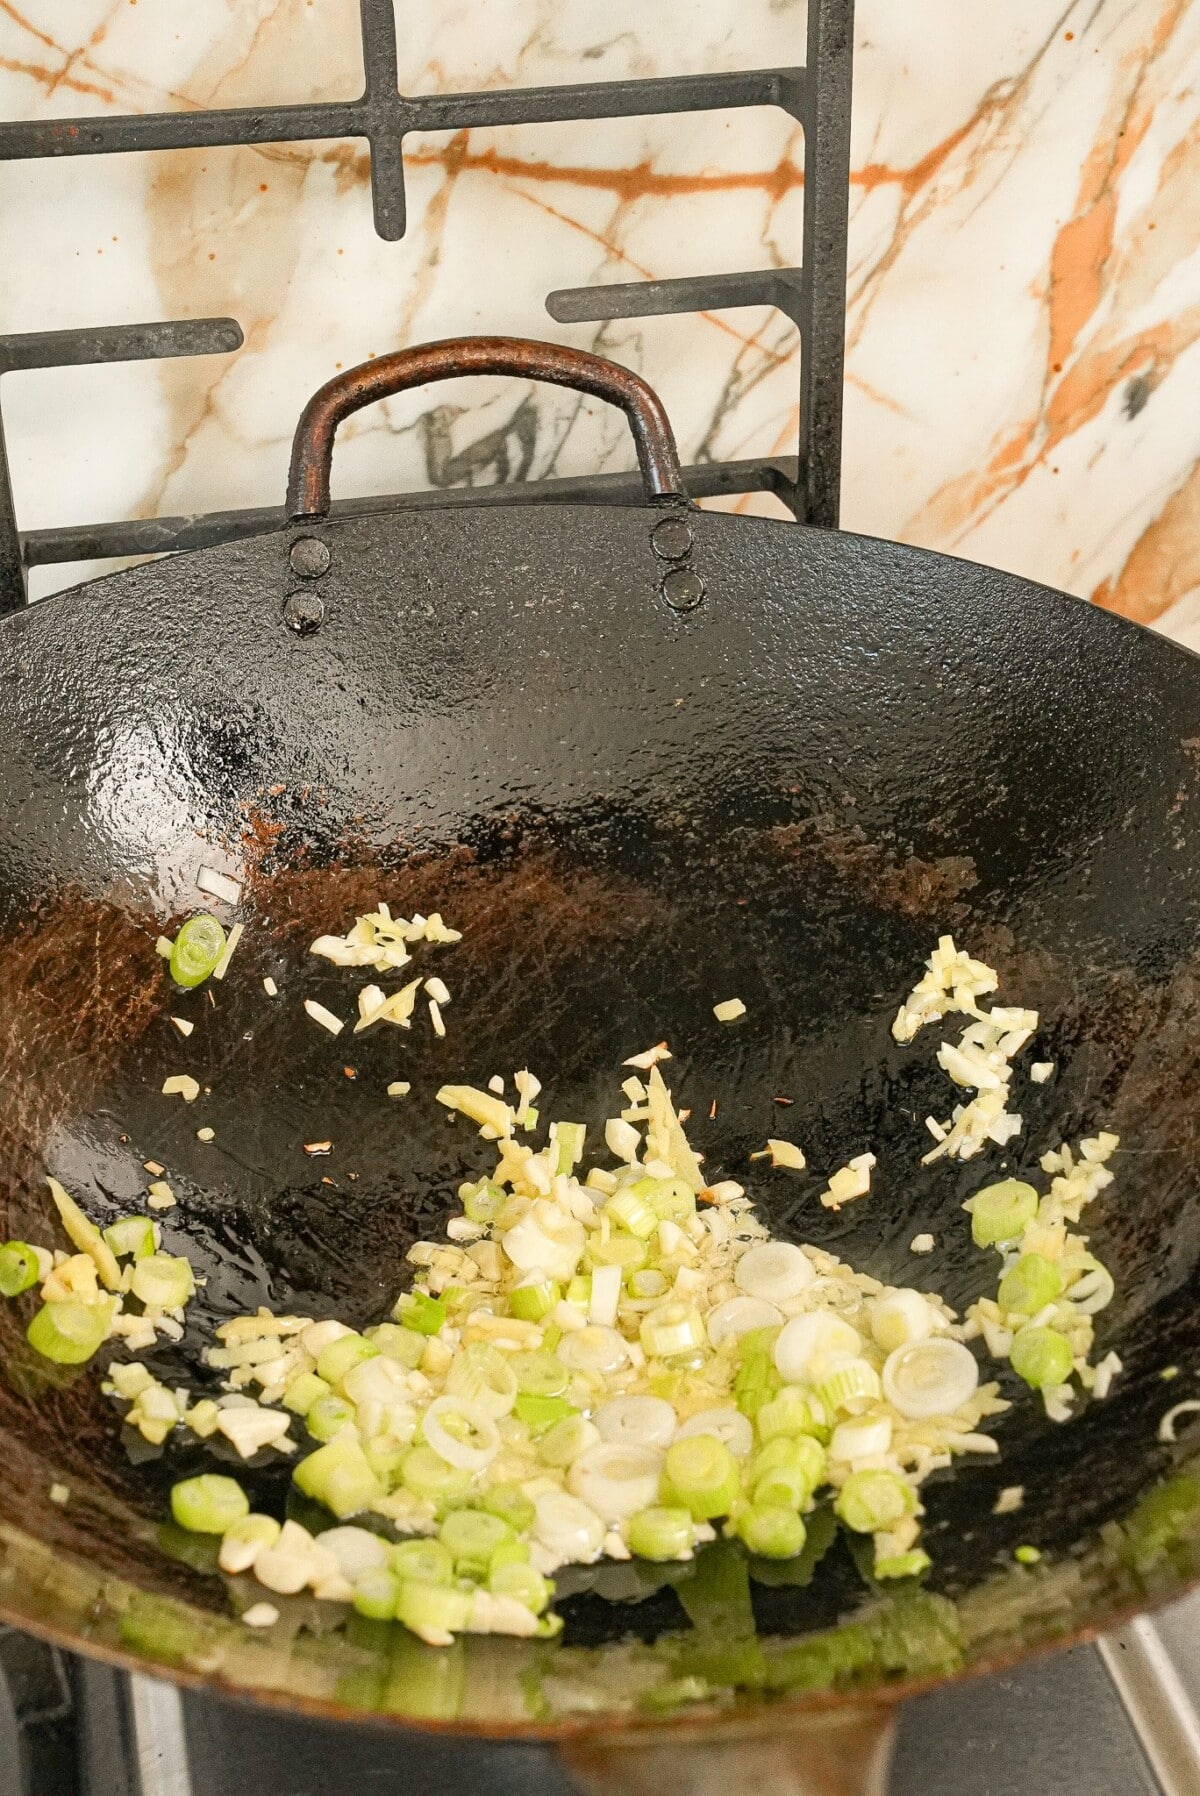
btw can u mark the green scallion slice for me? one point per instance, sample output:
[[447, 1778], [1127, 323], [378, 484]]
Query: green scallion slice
[[1041, 1357], [196, 950], [69, 1332], [209, 1504], [18, 1268]]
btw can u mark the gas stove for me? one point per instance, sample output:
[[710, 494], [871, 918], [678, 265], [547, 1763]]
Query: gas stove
[[1121, 1718]]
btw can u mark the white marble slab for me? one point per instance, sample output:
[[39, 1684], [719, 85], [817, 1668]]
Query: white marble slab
[[1024, 290]]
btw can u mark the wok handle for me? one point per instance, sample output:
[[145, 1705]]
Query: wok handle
[[312, 446], [840, 1751]]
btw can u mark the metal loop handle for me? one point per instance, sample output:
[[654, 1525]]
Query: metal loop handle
[[312, 446]]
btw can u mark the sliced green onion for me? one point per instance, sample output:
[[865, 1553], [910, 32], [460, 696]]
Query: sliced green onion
[[772, 1530], [632, 1212], [482, 1203], [483, 1376], [930, 1378], [394, 1342], [539, 1374], [803, 1452], [303, 1392], [1094, 1290], [579, 1291], [18, 1268], [1027, 1555], [433, 1611], [534, 1298], [326, 1416], [673, 1328], [563, 1442], [870, 1501], [385, 1456], [428, 1475], [339, 1476], [850, 1387], [336, 1360], [1041, 1357], [427, 1560], [903, 1565], [162, 1281], [789, 1413], [376, 1593], [209, 1504], [131, 1237], [69, 1332], [510, 1503], [661, 1532], [417, 1310], [569, 1139], [625, 1251], [471, 1536], [646, 1286], [1000, 1212], [670, 1199], [521, 1581], [702, 1474], [196, 950], [757, 1381], [509, 1551], [542, 1412], [1030, 1284]]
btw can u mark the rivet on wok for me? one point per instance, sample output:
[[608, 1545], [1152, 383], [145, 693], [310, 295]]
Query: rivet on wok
[[309, 557], [682, 588], [304, 611], [672, 538]]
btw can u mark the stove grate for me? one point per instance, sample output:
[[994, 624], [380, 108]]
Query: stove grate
[[813, 296]]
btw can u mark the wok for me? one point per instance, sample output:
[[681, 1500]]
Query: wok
[[646, 758]]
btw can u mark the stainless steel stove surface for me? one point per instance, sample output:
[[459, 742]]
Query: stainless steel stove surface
[[1118, 1719]]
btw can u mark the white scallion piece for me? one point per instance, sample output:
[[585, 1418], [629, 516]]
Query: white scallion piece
[[1166, 1428], [60, 1494], [738, 1315], [1041, 1070], [649, 1058], [181, 1085], [326, 1018], [153, 1168], [930, 1378], [786, 1153], [437, 990], [231, 942], [435, 1017], [160, 1196], [606, 1294], [164, 947], [636, 1421], [183, 1025], [775, 1271], [729, 1010], [727, 1424], [270, 987], [1011, 1498], [922, 1244], [205, 1134], [399, 1088], [218, 885], [616, 1480]]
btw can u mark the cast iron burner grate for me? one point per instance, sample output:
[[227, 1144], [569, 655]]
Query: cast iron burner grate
[[813, 296]]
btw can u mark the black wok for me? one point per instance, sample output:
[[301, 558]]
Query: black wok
[[645, 759]]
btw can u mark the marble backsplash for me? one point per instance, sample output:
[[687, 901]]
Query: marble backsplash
[[1024, 290]]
